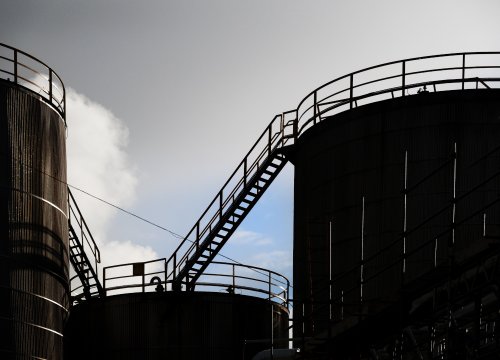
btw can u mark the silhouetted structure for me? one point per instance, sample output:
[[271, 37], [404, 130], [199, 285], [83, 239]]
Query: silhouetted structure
[[34, 284], [396, 229], [397, 214]]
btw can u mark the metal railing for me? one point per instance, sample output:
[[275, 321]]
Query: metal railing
[[456, 71], [27, 71], [276, 135], [150, 276]]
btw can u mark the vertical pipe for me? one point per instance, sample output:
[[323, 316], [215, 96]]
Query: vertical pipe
[[435, 251], [484, 224], [341, 304]]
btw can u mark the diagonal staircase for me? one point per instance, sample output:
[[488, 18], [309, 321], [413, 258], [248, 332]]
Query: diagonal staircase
[[233, 202], [79, 235]]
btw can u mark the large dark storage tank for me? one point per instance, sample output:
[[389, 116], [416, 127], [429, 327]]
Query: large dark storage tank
[[34, 297], [170, 325], [387, 193]]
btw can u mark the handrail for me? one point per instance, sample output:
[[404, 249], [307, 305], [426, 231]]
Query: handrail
[[241, 279], [324, 101], [307, 110], [269, 141], [45, 83], [76, 218]]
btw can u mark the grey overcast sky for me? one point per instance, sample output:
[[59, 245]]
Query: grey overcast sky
[[196, 81]]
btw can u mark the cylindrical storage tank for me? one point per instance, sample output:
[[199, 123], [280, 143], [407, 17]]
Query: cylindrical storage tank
[[34, 291], [175, 325], [386, 194]]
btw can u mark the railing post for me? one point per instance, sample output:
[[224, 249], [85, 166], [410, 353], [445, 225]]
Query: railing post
[[50, 85], [220, 204], [463, 71], [15, 66], [296, 126], [269, 280], [403, 78], [104, 281], [197, 234], [351, 89], [269, 139], [245, 169], [234, 279], [175, 266], [315, 104]]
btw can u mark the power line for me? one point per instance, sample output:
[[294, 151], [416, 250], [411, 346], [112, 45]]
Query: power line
[[130, 213]]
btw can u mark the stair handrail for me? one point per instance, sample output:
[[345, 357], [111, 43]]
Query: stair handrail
[[315, 107], [83, 227], [275, 139]]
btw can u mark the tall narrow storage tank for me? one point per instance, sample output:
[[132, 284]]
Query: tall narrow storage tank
[[34, 297]]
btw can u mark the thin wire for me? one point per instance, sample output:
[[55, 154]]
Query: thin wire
[[160, 227], [132, 214]]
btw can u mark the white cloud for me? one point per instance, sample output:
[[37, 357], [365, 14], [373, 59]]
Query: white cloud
[[277, 260], [247, 237], [98, 163]]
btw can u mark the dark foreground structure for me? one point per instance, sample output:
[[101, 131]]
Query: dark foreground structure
[[34, 263], [396, 230]]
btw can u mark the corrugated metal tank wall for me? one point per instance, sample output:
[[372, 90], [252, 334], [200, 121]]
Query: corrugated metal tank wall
[[34, 297], [350, 176], [180, 326]]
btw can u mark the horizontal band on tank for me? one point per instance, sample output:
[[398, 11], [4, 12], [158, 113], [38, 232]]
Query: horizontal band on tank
[[37, 296], [32, 325], [36, 197], [14, 259]]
